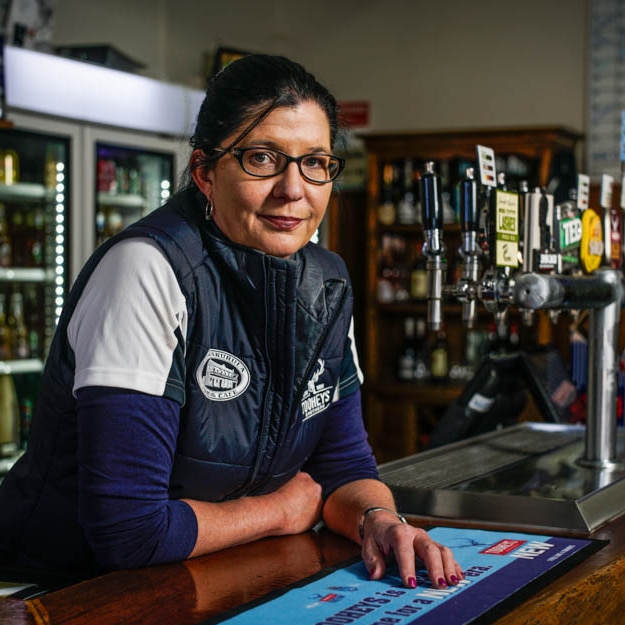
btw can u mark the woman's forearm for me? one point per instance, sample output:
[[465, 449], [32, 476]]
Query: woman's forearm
[[343, 509], [293, 508]]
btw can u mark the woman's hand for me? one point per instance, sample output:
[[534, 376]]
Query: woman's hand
[[294, 508], [300, 503], [385, 534]]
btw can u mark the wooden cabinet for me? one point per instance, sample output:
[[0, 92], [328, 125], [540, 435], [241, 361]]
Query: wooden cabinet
[[398, 415]]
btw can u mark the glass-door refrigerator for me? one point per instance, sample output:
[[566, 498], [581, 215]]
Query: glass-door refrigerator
[[35, 197], [130, 182], [127, 175], [88, 150]]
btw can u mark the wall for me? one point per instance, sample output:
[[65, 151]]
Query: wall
[[422, 64], [138, 28]]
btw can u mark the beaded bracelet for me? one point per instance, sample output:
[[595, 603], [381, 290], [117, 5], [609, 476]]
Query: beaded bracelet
[[361, 525]]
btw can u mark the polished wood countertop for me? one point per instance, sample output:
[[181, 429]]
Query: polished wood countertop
[[187, 593]]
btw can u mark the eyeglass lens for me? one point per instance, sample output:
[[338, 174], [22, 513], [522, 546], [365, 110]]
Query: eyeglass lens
[[267, 162]]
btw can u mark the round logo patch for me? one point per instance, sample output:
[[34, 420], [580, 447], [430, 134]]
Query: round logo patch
[[222, 376]]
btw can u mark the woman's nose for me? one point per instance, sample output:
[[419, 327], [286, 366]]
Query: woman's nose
[[290, 183]]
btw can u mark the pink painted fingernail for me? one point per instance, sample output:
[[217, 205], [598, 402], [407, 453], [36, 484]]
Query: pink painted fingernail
[[412, 582], [441, 582]]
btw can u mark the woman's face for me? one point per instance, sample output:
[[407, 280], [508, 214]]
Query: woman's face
[[275, 215]]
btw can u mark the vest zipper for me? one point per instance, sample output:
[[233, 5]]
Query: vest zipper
[[266, 419], [266, 414], [308, 372]]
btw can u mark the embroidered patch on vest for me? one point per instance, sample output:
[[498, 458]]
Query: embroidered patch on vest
[[317, 396], [222, 376]]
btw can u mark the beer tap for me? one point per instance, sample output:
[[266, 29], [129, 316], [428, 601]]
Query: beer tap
[[539, 226], [592, 244], [470, 250], [549, 279], [601, 293], [537, 255], [502, 236], [433, 245], [568, 224], [613, 225]]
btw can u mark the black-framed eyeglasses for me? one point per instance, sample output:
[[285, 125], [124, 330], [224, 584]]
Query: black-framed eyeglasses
[[317, 167]]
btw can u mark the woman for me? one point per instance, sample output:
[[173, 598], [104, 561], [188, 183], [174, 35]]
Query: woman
[[202, 389]]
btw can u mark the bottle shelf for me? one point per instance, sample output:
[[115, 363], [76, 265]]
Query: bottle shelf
[[27, 365], [25, 192], [402, 308], [414, 229], [122, 200], [435, 394], [419, 307], [26, 274]]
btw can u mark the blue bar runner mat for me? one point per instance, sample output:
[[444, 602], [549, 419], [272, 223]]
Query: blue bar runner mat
[[502, 570]]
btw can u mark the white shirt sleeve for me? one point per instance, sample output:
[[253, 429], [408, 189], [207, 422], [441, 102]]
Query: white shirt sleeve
[[124, 328]]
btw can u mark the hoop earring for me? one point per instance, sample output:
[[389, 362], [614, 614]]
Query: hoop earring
[[208, 210]]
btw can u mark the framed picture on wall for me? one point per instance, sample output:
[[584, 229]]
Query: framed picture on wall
[[224, 56]]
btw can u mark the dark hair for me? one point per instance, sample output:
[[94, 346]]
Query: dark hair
[[249, 88]]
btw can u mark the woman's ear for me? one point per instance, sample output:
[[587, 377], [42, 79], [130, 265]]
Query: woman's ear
[[201, 174]]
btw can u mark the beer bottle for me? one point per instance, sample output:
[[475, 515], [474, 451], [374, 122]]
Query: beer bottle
[[3, 101], [6, 255], [54, 165], [35, 237], [18, 240], [406, 363], [17, 325], [407, 208], [422, 352], [9, 417], [26, 418], [6, 351], [419, 276], [387, 212], [440, 357], [11, 162], [32, 315]]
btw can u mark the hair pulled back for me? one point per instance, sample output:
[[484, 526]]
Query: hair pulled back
[[246, 87]]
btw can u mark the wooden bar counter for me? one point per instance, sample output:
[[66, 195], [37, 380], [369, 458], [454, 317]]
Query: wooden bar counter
[[592, 593]]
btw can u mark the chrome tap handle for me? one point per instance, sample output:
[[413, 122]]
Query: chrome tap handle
[[433, 246], [469, 212], [431, 199], [546, 291], [470, 249]]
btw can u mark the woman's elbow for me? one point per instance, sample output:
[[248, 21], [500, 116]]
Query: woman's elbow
[[166, 535]]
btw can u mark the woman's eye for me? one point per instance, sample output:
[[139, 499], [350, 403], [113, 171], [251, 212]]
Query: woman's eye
[[262, 157], [315, 162]]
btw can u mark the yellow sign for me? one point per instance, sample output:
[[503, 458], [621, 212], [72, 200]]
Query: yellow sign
[[507, 229], [591, 248]]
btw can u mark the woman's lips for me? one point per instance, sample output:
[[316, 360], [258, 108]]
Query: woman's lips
[[282, 223]]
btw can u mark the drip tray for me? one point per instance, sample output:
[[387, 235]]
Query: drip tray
[[526, 476]]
